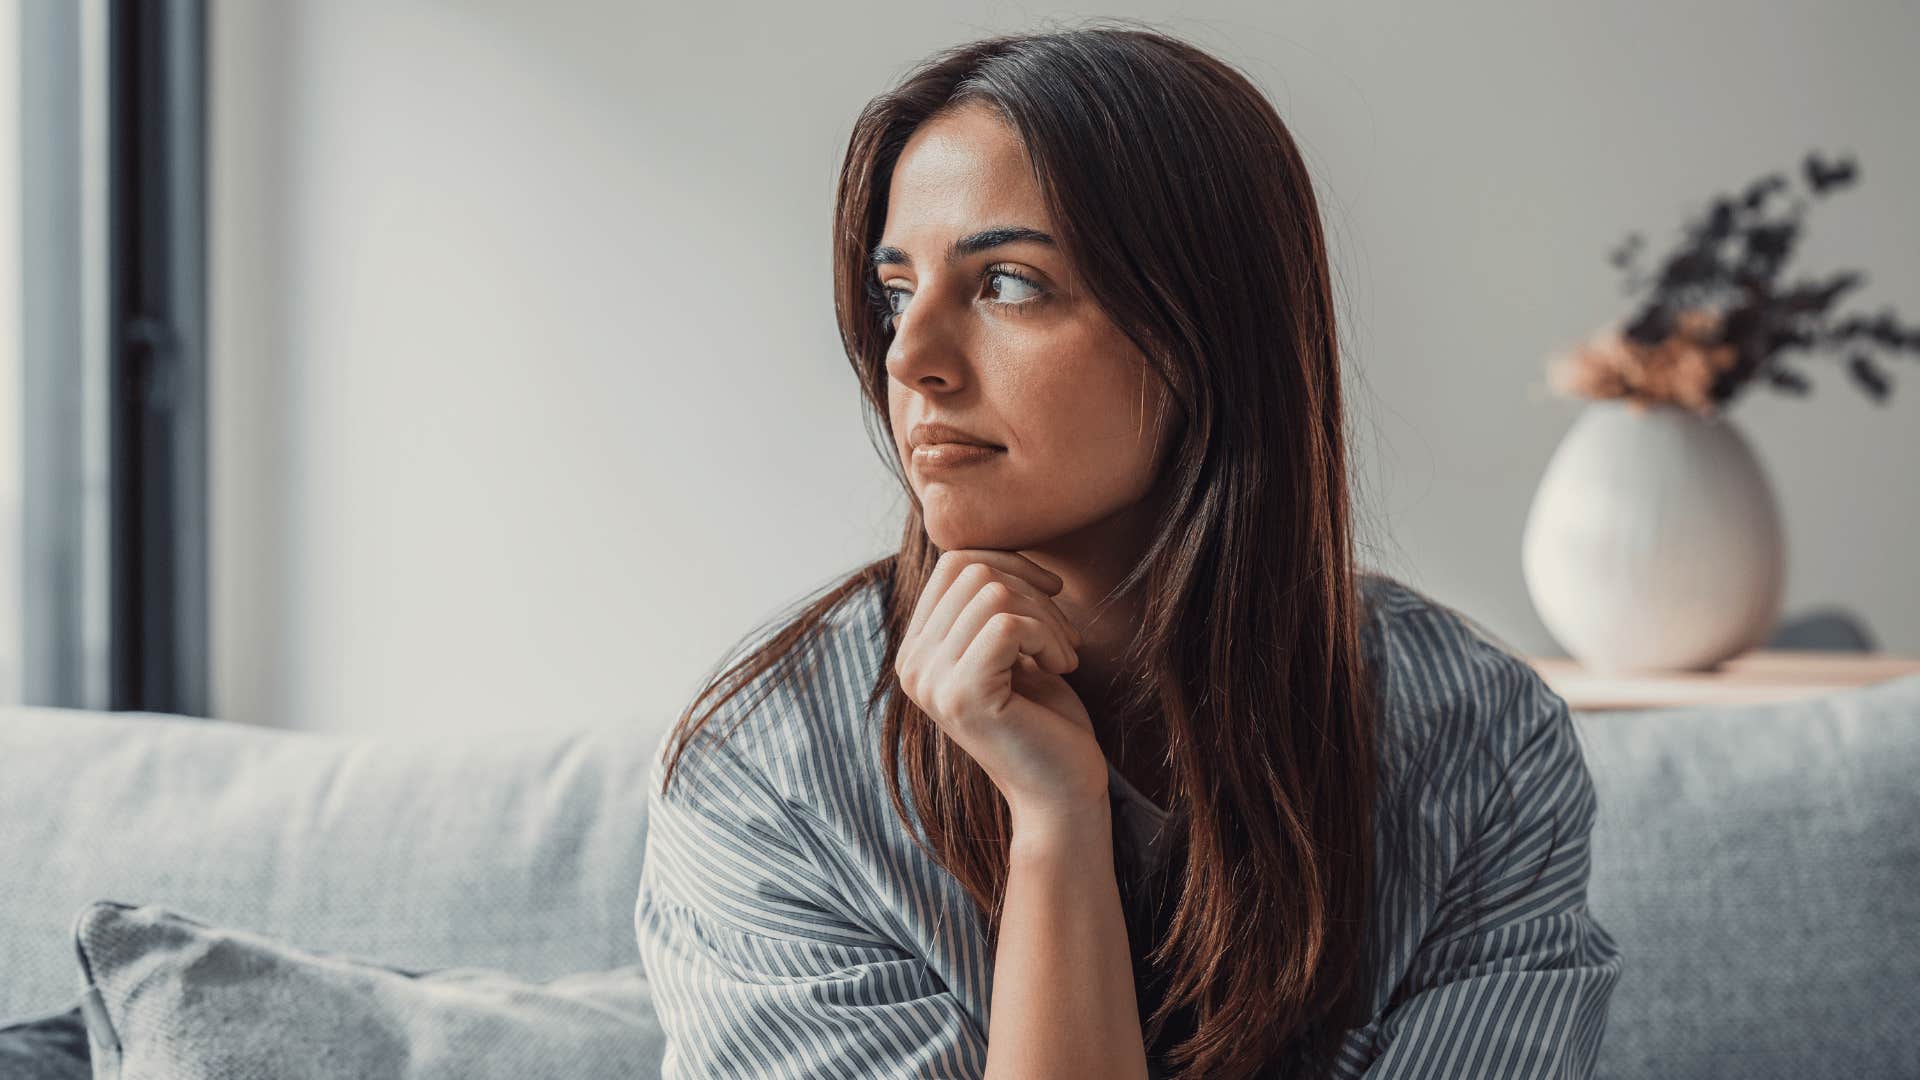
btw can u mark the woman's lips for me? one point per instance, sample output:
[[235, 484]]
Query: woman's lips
[[946, 454]]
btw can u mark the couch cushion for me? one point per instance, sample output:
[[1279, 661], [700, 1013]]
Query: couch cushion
[[514, 851], [48, 1047], [175, 997], [1760, 868]]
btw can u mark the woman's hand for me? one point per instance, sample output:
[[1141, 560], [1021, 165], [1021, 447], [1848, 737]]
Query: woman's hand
[[983, 656]]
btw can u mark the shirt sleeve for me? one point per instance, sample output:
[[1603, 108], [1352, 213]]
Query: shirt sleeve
[[1523, 992], [760, 965]]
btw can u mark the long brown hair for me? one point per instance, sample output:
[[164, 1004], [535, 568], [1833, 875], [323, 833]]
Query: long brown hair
[[1184, 205]]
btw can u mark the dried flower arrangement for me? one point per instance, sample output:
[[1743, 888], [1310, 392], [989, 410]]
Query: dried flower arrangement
[[1714, 320]]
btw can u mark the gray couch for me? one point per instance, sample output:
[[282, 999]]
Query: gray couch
[[1759, 866]]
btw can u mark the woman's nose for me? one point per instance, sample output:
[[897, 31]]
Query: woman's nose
[[923, 352]]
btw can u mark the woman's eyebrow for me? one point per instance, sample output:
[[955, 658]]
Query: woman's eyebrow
[[971, 244]]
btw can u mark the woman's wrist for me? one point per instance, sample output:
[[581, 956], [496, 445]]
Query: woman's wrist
[[1063, 830], [1064, 1002]]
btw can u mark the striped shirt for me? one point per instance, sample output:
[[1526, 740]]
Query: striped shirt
[[790, 927]]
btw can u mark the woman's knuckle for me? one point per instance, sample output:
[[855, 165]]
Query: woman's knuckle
[[940, 703]]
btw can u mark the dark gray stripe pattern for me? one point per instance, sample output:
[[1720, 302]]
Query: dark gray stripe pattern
[[790, 928]]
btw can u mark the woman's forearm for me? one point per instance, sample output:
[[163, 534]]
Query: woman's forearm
[[1063, 997]]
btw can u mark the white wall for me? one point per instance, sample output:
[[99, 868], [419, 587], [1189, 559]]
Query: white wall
[[529, 400]]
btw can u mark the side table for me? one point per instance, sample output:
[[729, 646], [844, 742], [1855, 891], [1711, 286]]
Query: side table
[[1756, 676]]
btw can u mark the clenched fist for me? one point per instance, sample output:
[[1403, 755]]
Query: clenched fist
[[983, 657]]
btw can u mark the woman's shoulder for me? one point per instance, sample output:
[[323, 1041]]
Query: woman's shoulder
[[1434, 655], [803, 723], [1452, 696]]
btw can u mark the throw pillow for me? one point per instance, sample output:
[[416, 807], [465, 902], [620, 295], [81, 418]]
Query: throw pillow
[[170, 995], [48, 1047]]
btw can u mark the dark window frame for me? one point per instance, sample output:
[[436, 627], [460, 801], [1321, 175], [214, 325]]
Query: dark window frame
[[157, 355], [114, 312]]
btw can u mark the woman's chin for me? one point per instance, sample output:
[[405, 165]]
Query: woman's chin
[[950, 532]]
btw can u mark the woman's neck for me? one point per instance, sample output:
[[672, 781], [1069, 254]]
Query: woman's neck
[[1091, 562]]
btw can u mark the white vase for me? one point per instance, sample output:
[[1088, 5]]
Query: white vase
[[1654, 541]]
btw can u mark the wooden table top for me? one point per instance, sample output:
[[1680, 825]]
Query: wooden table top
[[1757, 676]]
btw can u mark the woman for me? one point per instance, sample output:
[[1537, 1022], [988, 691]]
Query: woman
[[1119, 766]]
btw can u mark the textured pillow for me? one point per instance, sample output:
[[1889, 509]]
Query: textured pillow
[[48, 1047], [169, 995]]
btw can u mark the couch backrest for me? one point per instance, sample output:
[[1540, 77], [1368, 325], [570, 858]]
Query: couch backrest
[[1759, 867], [515, 851]]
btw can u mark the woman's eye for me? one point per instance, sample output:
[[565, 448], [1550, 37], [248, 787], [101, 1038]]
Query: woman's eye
[[1019, 283], [886, 296]]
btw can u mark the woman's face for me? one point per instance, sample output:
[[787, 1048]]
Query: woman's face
[[1003, 343]]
